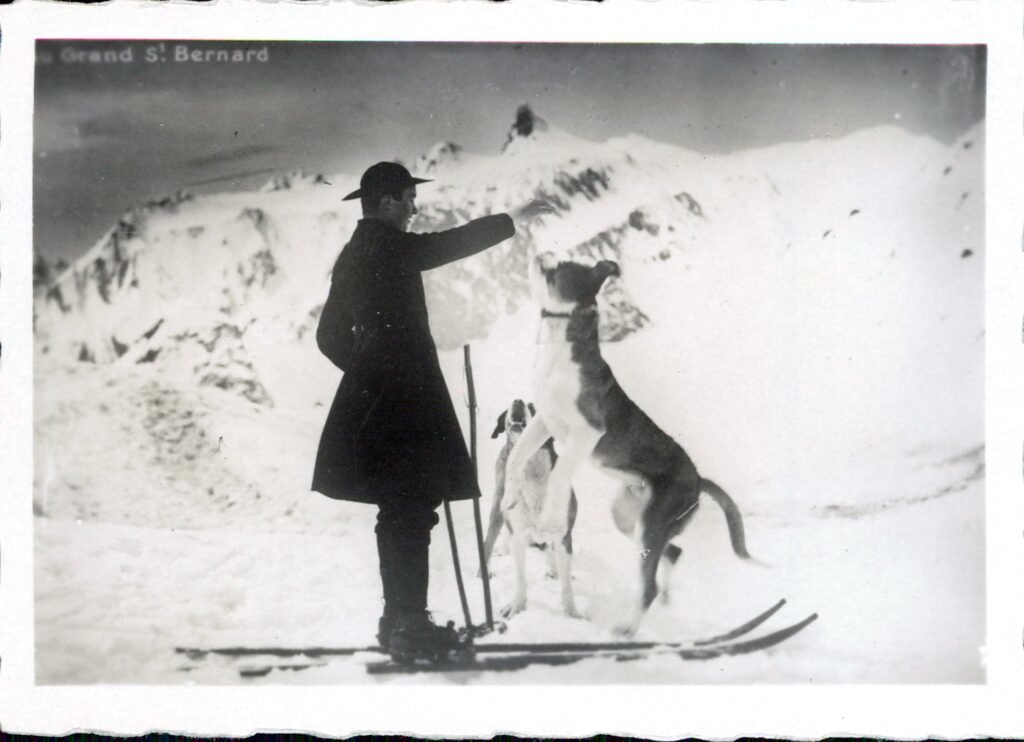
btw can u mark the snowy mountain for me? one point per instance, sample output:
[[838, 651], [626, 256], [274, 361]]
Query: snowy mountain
[[189, 281], [293, 179], [806, 319], [441, 156]]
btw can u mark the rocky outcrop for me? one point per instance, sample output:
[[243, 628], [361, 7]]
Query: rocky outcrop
[[526, 125]]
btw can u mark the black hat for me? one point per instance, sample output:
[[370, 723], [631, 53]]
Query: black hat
[[384, 178]]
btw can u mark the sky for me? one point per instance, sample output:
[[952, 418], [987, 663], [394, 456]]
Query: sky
[[142, 120]]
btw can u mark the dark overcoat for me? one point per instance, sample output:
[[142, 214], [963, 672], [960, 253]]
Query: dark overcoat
[[392, 428]]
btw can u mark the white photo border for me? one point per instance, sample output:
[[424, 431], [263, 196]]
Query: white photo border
[[993, 709]]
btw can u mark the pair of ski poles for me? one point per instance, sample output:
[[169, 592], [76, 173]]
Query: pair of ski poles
[[484, 572]]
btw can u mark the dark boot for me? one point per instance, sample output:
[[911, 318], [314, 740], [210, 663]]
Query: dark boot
[[416, 635]]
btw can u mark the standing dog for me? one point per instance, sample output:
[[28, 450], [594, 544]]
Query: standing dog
[[586, 411], [518, 501]]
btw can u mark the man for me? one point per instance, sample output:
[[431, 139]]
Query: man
[[392, 437]]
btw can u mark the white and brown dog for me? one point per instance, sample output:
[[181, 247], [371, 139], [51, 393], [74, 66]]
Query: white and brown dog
[[590, 417], [518, 502]]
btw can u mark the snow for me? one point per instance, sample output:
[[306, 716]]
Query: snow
[[815, 343]]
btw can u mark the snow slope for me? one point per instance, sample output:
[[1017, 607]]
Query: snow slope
[[807, 320]]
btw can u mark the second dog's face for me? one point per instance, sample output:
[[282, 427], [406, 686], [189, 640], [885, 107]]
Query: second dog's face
[[563, 286], [514, 420]]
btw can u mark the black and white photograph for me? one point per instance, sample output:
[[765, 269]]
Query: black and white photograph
[[389, 365], [719, 311]]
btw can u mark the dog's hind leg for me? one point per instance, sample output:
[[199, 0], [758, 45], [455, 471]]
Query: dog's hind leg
[[562, 549], [669, 559], [494, 524], [662, 520], [550, 553], [518, 542], [563, 558], [648, 588]]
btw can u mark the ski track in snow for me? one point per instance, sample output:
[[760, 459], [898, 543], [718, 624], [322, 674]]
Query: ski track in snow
[[816, 344]]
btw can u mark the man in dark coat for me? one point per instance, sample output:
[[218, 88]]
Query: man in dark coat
[[392, 437]]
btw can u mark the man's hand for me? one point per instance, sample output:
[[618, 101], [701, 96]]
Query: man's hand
[[530, 210]]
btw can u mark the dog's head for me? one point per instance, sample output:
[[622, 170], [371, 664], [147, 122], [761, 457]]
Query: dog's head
[[513, 420], [561, 286]]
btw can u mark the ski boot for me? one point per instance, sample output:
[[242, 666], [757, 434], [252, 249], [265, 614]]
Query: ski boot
[[417, 637]]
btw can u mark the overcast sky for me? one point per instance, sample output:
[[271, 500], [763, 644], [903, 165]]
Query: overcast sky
[[109, 134]]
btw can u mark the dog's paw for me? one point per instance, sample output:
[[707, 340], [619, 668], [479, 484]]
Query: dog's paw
[[573, 612], [516, 606], [626, 627], [623, 630]]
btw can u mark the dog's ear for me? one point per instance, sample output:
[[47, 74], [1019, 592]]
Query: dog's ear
[[532, 409], [607, 268], [500, 427]]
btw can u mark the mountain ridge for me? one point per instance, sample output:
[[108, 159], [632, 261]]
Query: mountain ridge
[[198, 278]]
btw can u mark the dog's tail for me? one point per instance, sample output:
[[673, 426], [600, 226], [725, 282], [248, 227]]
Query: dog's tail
[[732, 516]]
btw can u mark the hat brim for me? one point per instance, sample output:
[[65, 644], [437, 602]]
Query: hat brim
[[358, 192]]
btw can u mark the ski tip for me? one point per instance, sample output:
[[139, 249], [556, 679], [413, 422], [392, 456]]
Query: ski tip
[[801, 625]]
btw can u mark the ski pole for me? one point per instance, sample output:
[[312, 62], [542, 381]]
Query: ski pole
[[458, 569], [485, 577]]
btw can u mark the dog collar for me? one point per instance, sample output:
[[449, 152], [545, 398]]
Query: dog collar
[[559, 315]]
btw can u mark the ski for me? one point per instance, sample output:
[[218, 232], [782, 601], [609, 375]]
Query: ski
[[520, 660], [739, 631], [197, 653]]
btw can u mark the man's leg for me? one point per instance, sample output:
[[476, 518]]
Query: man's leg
[[403, 542], [389, 580]]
